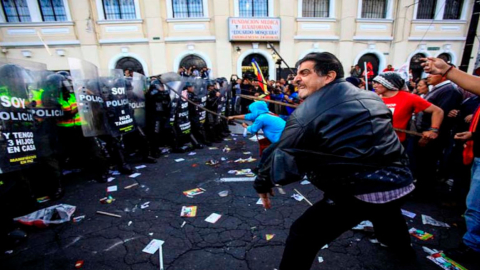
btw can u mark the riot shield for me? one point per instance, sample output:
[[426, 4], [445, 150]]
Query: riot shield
[[17, 146], [136, 89], [201, 93], [45, 93], [179, 109], [223, 87], [119, 115], [90, 103]]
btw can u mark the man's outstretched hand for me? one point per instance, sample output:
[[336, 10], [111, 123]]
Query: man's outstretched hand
[[267, 204]]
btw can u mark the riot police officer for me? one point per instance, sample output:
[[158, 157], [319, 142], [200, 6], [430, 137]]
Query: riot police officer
[[196, 116]]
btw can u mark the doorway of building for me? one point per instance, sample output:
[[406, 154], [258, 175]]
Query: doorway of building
[[247, 68], [372, 62], [416, 66], [131, 64]]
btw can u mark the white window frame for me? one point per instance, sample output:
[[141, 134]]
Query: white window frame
[[271, 8], [101, 12], [389, 15], [170, 12], [440, 11], [331, 10], [35, 13]]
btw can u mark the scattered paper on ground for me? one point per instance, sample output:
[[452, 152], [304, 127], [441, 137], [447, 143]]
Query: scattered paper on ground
[[188, 211], [213, 218], [269, 236], [248, 160], [365, 225], [223, 193], [192, 192], [141, 167], [192, 153], [254, 138], [246, 172], [110, 179], [305, 182], [430, 221], [213, 148], [408, 214], [112, 188], [320, 259], [153, 246], [145, 205], [260, 201], [298, 197], [134, 175], [179, 160], [420, 234]]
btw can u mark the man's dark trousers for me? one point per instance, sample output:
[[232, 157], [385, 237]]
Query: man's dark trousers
[[325, 221]]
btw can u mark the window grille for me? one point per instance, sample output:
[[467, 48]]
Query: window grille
[[187, 8], [374, 9], [316, 8], [52, 10], [253, 8], [453, 9], [16, 10], [426, 9], [119, 9]]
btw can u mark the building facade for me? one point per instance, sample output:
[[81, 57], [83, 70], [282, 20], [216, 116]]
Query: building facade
[[157, 36]]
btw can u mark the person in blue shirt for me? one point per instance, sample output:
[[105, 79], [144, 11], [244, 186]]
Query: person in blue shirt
[[262, 118]]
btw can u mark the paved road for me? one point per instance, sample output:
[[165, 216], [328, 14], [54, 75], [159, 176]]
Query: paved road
[[236, 241]]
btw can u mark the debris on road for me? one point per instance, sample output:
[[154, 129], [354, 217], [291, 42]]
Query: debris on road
[[246, 172], [130, 186], [311, 204], [79, 264], [183, 224], [140, 167], [110, 179], [134, 175], [408, 213], [260, 201], [269, 236], [305, 182], [112, 188], [145, 205], [78, 218], [430, 221], [213, 218], [212, 162], [420, 234], [365, 225], [192, 153], [223, 193], [179, 159], [108, 214], [188, 211], [440, 259], [320, 259], [298, 197], [42, 218], [226, 149], [193, 192], [248, 160], [43, 199]]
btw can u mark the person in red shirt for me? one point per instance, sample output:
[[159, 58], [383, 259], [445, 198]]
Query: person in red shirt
[[389, 68], [392, 89]]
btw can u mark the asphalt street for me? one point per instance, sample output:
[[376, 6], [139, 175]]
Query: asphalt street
[[236, 241]]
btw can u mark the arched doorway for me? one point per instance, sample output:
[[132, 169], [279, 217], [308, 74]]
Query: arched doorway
[[131, 64], [445, 57], [247, 68], [416, 66], [372, 63], [193, 60]]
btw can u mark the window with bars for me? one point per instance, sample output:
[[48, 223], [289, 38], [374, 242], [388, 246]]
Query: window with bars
[[253, 8], [119, 9], [426, 9], [374, 9], [187, 8], [52, 10], [316, 8], [16, 10], [453, 9]]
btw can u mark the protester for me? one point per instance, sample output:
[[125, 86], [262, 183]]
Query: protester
[[342, 139], [389, 68], [263, 119], [469, 250], [392, 89]]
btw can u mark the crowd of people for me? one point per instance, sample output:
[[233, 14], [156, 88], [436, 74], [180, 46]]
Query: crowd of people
[[367, 150]]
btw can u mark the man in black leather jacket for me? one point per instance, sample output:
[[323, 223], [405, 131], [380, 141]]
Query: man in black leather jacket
[[342, 138]]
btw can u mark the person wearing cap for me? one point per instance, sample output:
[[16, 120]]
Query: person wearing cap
[[392, 89]]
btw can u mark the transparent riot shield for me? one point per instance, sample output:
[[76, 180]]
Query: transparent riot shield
[[46, 93], [136, 89], [201, 98], [117, 107], [179, 110], [90, 103], [222, 88], [17, 145]]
